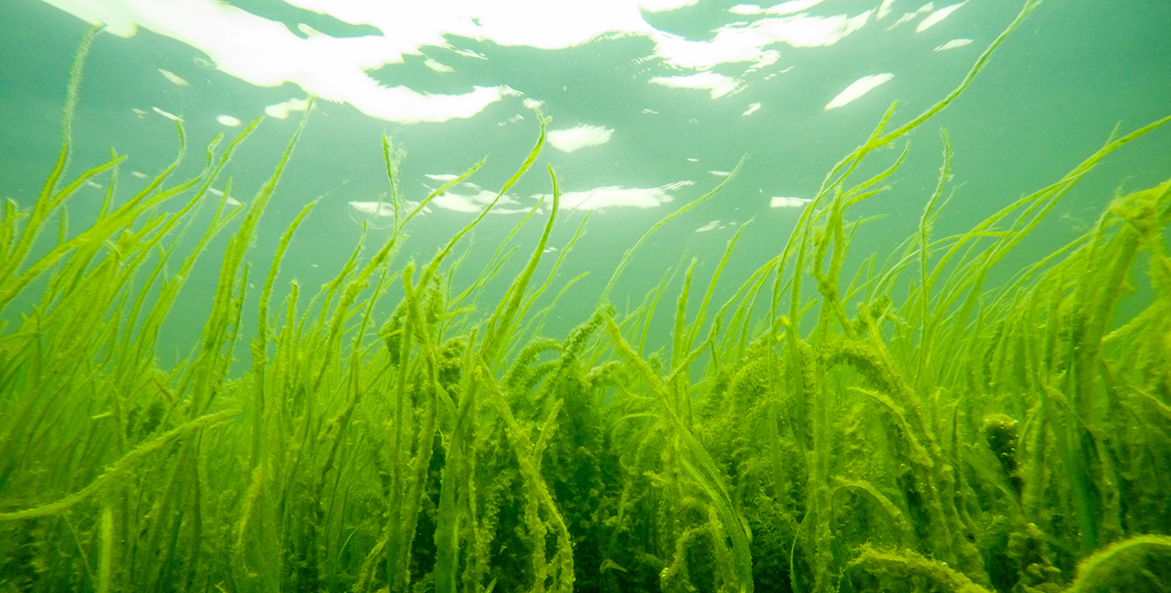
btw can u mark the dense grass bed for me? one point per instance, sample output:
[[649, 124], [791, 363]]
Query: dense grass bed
[[903, 426]]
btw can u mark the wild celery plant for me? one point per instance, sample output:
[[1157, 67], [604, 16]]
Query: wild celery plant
[[84, 420], [903, 428]]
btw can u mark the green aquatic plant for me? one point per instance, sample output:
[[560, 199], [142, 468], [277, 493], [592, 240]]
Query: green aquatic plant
[[906, 427]]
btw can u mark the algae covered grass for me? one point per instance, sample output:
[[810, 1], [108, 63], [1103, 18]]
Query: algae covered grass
[[902, 427]]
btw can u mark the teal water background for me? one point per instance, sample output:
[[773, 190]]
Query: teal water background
[[1051, 96]]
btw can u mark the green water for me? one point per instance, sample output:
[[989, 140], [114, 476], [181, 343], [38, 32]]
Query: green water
[[949, 372]]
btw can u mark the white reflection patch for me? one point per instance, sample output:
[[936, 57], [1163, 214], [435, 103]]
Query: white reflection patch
[[954, 43], [174, 78], [858, 88], [793, 6], [717, 85], [283, 109], [438, 66], [167, 114], [373, 208], [579, 137], [613, 196], [910, 16], [470, 198], [378, 214], [787, 202], [934, 18]]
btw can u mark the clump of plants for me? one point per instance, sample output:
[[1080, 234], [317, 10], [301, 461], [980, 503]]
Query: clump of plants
[[901, 427]]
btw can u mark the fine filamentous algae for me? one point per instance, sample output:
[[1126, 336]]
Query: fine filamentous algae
[[903, 426]]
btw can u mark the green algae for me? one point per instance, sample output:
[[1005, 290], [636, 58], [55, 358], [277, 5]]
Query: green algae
[[950, 437]]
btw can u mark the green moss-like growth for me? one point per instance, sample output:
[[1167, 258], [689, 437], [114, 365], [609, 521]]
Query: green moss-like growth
[[1138, 564]]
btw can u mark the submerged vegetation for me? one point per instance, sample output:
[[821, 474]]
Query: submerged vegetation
[[905, 427]]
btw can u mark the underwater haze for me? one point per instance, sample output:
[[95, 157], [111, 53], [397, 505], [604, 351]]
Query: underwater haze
[[671, 295]]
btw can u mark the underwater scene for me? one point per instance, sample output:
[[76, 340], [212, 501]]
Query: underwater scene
[[609, 296]]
